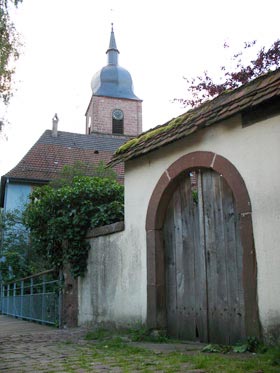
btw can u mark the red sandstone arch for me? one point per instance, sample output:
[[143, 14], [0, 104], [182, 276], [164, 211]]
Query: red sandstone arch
[[156, 313]]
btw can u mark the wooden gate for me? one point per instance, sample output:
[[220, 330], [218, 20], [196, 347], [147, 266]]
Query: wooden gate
[[203, 261]]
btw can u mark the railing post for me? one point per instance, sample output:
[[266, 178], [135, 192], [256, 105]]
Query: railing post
[[4, 302], [1, 290], [5, 292], [60, 300], [1, 297], [21, 297], [31, 298], [14, 298], [43, 297], [8, 299]]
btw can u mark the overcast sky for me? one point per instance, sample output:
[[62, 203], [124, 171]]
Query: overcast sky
[[160, 41]]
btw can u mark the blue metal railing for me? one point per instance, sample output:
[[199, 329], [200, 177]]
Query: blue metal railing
[[35, 298]]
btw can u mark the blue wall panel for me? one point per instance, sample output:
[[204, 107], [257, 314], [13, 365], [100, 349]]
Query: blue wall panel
[[16, 196]]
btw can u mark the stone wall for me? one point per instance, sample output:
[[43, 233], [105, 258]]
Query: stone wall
[[113, 289]]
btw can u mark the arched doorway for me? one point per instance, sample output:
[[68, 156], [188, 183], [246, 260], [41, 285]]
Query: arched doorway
[[200, 305]]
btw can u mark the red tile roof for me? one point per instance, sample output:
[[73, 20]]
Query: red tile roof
[[49, 154], [44, 161], [222, 107]]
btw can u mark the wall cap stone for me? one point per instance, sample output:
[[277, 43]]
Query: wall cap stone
[[105, 230]]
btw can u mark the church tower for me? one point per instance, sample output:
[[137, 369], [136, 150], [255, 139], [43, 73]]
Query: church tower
[[113, 108]]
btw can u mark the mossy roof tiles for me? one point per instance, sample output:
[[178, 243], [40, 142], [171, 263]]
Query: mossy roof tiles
[[222, 107]]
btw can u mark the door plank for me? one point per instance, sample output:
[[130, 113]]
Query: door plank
[[170, 265], [221, 335], [209, 204], [233, 255], [201, 305], [179, 271], [185, 263]]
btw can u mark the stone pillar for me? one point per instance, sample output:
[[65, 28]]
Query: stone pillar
[[70, 306]]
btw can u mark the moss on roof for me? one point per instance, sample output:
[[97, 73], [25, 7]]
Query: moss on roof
[[224, 106], [152, 133]]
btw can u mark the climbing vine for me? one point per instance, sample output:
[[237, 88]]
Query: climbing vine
[[59, 219]]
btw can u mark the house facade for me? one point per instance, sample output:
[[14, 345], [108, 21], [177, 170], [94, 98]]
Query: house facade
[[199, 255]]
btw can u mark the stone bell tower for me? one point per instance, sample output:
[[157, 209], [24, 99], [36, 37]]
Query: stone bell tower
[[113, 108]]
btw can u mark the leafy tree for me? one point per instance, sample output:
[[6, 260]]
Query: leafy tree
[[69, 172], [203, 87], [9, 50], [59, 219], [17, 257]]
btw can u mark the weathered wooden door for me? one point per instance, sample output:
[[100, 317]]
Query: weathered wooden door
[[203, 261]]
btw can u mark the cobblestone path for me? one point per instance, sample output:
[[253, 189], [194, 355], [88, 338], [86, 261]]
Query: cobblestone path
[[29, 347]]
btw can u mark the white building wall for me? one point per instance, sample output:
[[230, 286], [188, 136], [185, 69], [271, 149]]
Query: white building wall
[[255, 152], [113, 290]]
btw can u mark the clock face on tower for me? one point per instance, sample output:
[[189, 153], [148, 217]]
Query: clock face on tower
[[118, 114]]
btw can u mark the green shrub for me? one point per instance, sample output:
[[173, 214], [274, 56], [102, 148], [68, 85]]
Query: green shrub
[[59, 219]]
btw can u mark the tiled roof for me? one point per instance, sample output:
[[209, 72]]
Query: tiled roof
[[94, 141], [49, 154], [222, 107]]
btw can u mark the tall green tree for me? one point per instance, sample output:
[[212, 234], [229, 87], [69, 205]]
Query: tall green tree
[[9, 49]]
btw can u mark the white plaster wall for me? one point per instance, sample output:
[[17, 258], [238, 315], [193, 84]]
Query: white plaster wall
[[255, 152], [113, 290], [115, 287]]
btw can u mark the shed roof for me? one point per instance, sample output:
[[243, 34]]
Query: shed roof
[[222, 107]]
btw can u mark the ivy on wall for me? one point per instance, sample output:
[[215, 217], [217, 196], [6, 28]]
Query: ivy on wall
[[59, 219]]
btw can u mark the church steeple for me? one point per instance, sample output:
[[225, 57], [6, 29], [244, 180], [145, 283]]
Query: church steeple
[[113, 80], [113, 51], [113, 108]]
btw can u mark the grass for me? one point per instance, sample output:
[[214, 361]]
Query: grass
[[99, 334], [108, 351], [128, 358], [140, 334], [145, 335], [274, 356]]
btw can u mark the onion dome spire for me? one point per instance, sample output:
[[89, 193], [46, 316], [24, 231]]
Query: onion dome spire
[[112, 51], [113, 80]]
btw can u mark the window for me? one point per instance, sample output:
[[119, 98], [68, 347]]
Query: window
[[117, 121]]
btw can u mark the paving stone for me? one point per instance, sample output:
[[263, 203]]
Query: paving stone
[[46, 350]]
